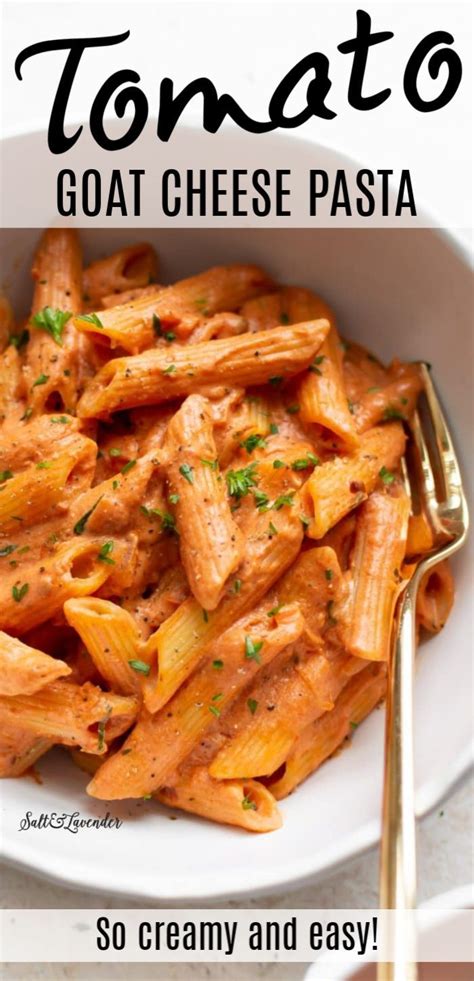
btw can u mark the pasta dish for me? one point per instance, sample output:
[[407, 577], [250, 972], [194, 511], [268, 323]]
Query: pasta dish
[[204, 528]]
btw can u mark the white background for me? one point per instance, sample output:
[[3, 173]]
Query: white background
[[246, 50]]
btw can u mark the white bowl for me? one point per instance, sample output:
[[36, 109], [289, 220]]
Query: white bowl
[[401, 292]]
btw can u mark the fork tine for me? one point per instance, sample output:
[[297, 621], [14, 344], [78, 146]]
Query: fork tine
[[447, 455], [427, 481]]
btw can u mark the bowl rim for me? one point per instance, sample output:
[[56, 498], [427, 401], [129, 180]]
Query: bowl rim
[[366, 837]]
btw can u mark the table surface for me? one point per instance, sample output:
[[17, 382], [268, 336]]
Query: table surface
[[444, 862]]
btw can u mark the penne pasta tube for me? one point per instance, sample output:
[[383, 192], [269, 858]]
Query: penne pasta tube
[[394, 400], [74, 715], [435, 598], [285, 705], [420, 538], [113, 641], [244, 803], [127, 269], [322, 395], [341, 484], [11, 386], [184, 638], [160, 742], [19, 750], [211, 544], [379, 549], [179, 308], [36, 493], [321, 738], [55, 353], [74, 569], [23, 670], [166, 373]]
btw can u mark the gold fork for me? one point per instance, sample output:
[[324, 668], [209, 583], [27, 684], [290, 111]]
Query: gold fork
[[434, 480]]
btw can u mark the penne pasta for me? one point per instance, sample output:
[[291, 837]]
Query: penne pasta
[[322, 395], [244, 803], [24, 670], [211, 544], [178, 309], [343, 483], [168, 373], [435, 598], [375, 578], [127, 269], [112, 639]]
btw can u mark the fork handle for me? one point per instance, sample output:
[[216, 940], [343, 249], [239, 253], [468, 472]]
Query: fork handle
[[397, 887]]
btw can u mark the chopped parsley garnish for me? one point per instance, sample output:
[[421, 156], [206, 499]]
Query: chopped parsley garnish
[[187, 472], [248, 804], [314, 367], [173, 498], [205, 616], [80, 525], [115, 451], [115, 484], [168, 520], [237, 585], [215, 711], [218, 665], [274, 428], [305, 521], [252, 705], [128, 466], [52, 321], [261, 500], [292, 409], [392, 413], [91, 318], [18, 592], [351, 406], [328, 574], [310, 460], [282, 500], [386, 475], [7, 550], [212, 464], [252, 649], [141, 666], [43, 465], [26, 548], [104, 553], [354, 725], [253, 442], [239, 482], [272, 530], [5, 475], [40, 380], [275, 609], [168, 335], [169, 370], [278, 464], [284, 319], [63, 419], [275, 380], [19, 340], [27, 413]]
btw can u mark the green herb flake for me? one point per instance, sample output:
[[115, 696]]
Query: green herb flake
[[261, 500], [141, 666], [252, 705], [169, 370], [205, 616], [217, 665], [305, 521], [353, 725], [274, 428], [252, 649], [391, 412], [275, 380], [5, 475], [292, 409], [43, 465], [104, 553], [115, 484], [283, 500], [284, 319], [91, 318], [52, 321], [386, 476], [187, 472], [115, 451], [212, 464], [27, 414], [330, 613], [101, 736], [248, 804], [128, 466], [18, 592], [275, 609], [237, 586], [7, 550], [19, 340], [214, 710], [272, 530], [328, 574], [239, 482], [60, 419], [253, 442], [173, 498], [278, 464], [40, 380], [80, 525]]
